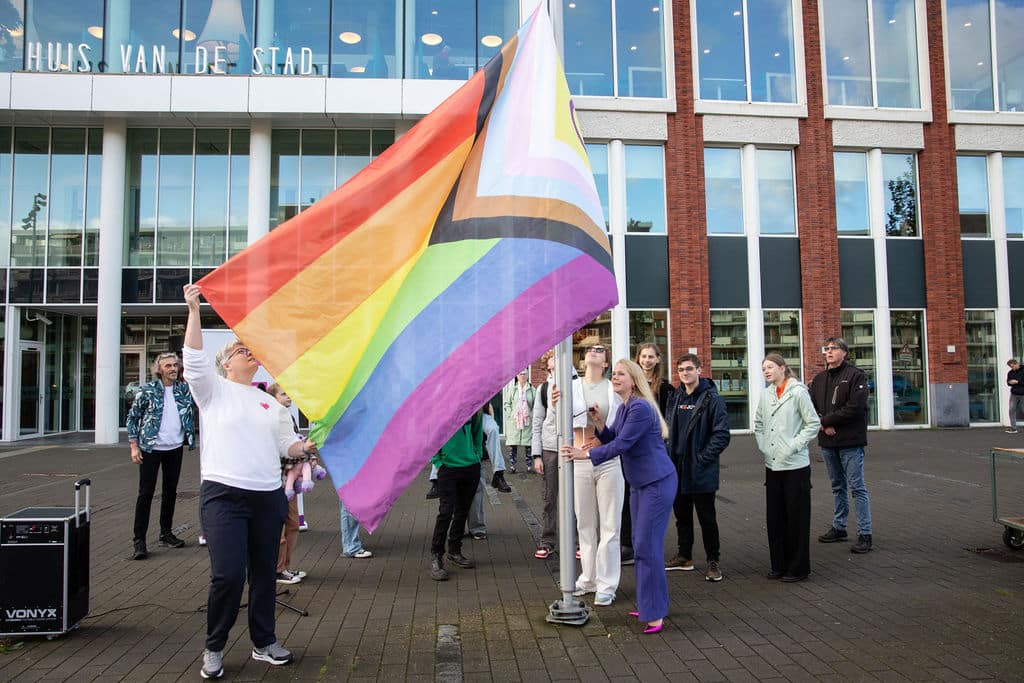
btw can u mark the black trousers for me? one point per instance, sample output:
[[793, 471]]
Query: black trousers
[[456, 487], [626, 523], [788, 517], [683, 507], [151, 464], [243, 535]]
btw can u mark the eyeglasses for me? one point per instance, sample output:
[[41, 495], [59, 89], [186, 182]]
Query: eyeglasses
[[595, 349], [240, 349], [826, 349], [688, 368]]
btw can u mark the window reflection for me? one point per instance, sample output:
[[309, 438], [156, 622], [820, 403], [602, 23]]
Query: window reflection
[[12, 34], [909, 378], [640, 49], [31, 196], [291, 38], [140, 213], [94, 173], [858, 331], [982, 366], [645, 189], [174, 199], [895, 28], [772, 64], [972, 195], [365, 42], [723, 191], [720, 27], [847, 59], [851, 173], [729, 364], [211, 197], [67, 192], [651, 326], [776, 192], [1009, 23], [899, 178], [144, 36], [599, 328], [588, 47], [598, 155], [61, 23], [970, 54], [782, 336], [440, 40], [1013, 195], [5, 199], [217, 36]]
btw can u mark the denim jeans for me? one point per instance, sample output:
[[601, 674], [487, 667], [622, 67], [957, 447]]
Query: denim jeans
[[350, 543], [846, 470]]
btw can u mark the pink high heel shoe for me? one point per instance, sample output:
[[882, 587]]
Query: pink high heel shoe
[[654, 629], [635, 614]]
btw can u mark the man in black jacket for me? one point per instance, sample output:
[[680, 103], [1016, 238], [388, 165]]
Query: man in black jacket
[[698, 433], [840, 395], [1015, 380]]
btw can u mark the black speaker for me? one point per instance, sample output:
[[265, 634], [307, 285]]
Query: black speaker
[[44, 568]]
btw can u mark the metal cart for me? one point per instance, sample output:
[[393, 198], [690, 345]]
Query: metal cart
[[1013, 532]]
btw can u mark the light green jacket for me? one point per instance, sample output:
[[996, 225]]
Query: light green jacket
[[784, 426]]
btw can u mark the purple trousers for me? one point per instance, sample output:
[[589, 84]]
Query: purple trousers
[[650, 507]]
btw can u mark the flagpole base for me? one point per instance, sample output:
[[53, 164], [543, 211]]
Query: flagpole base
[[568, 612]]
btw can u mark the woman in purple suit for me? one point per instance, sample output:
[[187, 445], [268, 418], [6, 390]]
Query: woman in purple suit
[[638, 438]]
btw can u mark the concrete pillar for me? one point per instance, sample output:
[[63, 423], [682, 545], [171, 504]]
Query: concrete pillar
[[259, 179], [108, 307]]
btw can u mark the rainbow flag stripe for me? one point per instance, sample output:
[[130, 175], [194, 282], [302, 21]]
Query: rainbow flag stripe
[[396, 306]]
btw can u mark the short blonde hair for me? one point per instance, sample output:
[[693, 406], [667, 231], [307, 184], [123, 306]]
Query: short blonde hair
[[223, 354]]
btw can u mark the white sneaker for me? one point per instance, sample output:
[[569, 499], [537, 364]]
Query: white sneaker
[[213, 665], [362, 554], [580, 592], [604, 599], [298, 572], [287, 577], [275, 654], [202, 539]]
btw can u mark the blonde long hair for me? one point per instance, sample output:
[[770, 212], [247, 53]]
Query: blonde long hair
[[643, 387]]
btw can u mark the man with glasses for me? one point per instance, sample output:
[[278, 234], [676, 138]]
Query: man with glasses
[[840, 396], [160, 421], [698, 432]]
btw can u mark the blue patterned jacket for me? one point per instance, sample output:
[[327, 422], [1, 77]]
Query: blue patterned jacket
[[143, 420]]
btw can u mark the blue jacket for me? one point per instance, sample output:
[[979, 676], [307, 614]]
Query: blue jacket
[[707, 435], [636, 439], [147, 409]]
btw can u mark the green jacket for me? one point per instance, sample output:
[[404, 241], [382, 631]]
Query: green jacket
[[784, 426], [466, 446]]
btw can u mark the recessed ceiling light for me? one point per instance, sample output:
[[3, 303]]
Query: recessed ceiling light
[[189, 35], [632, 48], [491, 41], [846, 58], [94, 31], [968, 24], [981, 64], [358, 69], [776, 54], [433, 12], [736, 13], [892, 21], [572, 5], [655, 9], [431, 39], [350, 37], [707, 50]]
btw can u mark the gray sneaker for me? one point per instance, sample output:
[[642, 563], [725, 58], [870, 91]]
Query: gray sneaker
[[714, 572], [275, 654], [213, 665]]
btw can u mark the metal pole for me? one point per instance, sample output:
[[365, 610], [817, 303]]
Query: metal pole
[[567, 610]]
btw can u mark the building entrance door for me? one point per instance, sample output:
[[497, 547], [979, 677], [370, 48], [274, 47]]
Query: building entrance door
[[133, 375], [30, 409]]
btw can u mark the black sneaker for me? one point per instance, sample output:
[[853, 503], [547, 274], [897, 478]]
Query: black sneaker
[[863, 544], [171, 541], [139, 551], [833, 535], [626, 555], [461, 560], [498, 482], [433, 492]]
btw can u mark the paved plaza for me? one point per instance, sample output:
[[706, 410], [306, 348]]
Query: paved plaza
[[939, 598]]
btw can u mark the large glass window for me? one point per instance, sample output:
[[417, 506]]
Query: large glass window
[[776, 191], [31, 196], [782, 336], [971, 69], [1017, 325], [729, 364], [599, 328], [441, 40], [647, 327], [174, 197], [1013, 195], [217, 37], [851, 173], [899, 178], [723, 62], [94, 173], [871, 53], [211, 200], [365, 42], [598, 155], [67, 197], [909, 376], [982, 366], [5, 197], [144, 36], [645, 189], [65, 25], [12, 34], [140, 210], [292, 38], [972, 195], [858, 331], [723, 191], [597, 48]]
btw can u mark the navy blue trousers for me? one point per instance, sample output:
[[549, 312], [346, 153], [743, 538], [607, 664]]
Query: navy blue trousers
[[650, 507], [243, 535]]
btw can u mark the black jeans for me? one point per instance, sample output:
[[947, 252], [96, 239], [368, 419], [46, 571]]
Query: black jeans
[[151, 463], [243, 535], [626, 523], [683, 507], [456, 487], [788, 517]]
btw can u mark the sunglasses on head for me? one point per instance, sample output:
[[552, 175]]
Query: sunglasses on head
[[595, 349]]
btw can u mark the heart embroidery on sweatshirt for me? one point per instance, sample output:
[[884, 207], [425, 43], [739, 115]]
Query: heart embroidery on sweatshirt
[[266, 406]]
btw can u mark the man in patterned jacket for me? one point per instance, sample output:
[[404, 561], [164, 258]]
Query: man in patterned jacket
[[160, 422]]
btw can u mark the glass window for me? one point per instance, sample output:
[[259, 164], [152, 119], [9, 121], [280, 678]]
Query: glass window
[[899, 178], [782, 336], [291, 38], [877, 67], [601, 328], [1013, 195], [588, 41], [651, 326], [598, 155], [858, 331], [645, 189], [1010, 65], [729, 364], [31, 196], [94, 174], [1017, 325], [723, 191], [723, 66], [218, 37], [353, 153], [972, 195], [366, 42], [982, 365], [12, 35], [776, 192], [140, 210], [316, 168], [238, 203], [64, 24], [851, 172], [67, 197], [441, 39], [174, 201], [640, 49], [211, 198], [496, 22], [284, 176], [909, 377], [5, 199], [970, 54], [144, 36]]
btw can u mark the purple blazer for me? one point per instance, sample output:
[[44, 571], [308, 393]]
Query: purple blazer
[[636, 439]]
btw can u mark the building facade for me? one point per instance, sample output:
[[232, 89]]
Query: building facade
[[773, 172]]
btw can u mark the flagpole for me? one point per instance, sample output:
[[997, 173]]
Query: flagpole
[[568, 609]]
